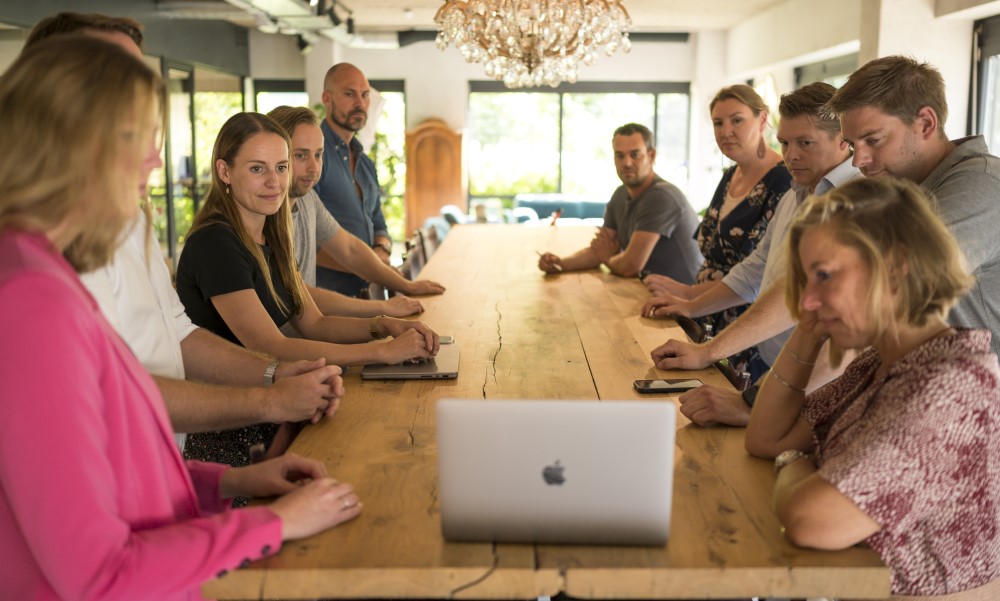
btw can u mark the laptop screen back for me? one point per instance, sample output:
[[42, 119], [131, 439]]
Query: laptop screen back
[[556, 471]]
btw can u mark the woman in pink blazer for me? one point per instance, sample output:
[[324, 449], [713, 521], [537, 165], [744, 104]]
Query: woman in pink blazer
[[96, 502]]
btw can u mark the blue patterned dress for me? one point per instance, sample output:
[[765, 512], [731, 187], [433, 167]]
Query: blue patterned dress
[[727, 242]]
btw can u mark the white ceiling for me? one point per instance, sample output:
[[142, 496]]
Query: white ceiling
[[647, 15], [402, 15]]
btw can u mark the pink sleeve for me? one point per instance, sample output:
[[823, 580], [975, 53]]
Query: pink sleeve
[[206, 478], [67, 482]]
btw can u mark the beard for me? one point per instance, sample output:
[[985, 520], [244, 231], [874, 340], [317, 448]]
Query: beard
[[349, 121]]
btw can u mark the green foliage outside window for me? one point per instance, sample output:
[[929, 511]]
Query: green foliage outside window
[[515, 144], [530, 142]]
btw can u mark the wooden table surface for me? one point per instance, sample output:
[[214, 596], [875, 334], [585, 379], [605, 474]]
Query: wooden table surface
[[526, 335]]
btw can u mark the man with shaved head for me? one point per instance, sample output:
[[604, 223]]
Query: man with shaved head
[[349, 186]]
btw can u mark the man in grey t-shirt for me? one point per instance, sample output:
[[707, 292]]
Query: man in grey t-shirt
[[648, 223], [893, 111]]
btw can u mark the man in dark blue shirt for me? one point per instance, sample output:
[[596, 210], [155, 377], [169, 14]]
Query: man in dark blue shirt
[[348, 185]]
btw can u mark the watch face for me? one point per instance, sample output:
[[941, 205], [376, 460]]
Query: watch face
[[786, 457]]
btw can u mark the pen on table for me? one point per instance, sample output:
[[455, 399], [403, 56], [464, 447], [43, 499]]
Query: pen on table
[[557, 266]]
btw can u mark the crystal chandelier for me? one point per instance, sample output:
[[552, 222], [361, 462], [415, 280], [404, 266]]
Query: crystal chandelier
[[526, 43]]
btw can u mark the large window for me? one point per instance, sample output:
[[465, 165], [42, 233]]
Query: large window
[[269, 94], [217, 97], [389, 154], [529, 142], [834, 71], [200, 101], [985, 110]]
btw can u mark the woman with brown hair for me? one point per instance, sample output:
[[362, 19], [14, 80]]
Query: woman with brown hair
[[740, 211], [237, 277]]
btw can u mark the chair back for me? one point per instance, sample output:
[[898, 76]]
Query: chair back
[[413, 262], [429, 242], [377, 292]]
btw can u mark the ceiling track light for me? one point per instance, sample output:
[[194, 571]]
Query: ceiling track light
[[334, 18], [331, 12]]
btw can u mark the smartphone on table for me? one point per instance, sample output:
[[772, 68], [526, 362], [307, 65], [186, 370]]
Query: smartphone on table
[[666, 386]]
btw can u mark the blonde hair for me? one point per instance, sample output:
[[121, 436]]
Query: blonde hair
[[741, 93], [895, 229], [290, 117], [84, 104], [219, 206]]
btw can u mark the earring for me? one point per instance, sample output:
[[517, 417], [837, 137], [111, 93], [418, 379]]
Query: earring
[[227, 187], [761, 149]]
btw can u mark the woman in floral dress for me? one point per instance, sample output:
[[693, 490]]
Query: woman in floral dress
[[745, 199]]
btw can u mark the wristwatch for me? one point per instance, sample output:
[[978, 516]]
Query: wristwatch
[[786, 458], [386, 246], [373, 327], [269, 372]]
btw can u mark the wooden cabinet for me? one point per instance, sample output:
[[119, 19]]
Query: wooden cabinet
[[434, 174]]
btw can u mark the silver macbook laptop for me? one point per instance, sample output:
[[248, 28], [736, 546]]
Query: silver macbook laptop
[[443, 366], [556, 471]]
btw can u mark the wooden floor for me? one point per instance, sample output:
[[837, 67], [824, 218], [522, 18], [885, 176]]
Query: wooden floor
[[526, 335]]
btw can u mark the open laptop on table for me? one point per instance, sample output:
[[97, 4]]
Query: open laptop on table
[[556, 471], [443, 366]]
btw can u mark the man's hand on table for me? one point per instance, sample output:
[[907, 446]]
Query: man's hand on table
[[707, 405], [401, 306], [665, 305], [550, 263], [605, 245], [674, 354], [305, 390], [660, 284], [424, 288]]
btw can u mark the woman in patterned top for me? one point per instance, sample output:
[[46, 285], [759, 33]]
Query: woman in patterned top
[[741, 208], [901, 450]]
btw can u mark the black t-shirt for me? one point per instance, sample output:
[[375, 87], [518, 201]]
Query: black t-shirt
[[215, 262]]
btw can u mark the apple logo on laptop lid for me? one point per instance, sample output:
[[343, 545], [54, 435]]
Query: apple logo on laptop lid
[[553, 474]]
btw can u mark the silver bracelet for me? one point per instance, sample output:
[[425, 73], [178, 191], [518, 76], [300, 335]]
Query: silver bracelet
[[269, 372], [785, 382], [800, 360]]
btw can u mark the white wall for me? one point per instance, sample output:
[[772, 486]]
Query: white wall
[[790, 34], [910, 27], [709, 75], [793, 33], [275, 57], [9, 49]]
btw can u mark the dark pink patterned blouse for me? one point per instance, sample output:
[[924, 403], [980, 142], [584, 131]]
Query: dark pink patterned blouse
[[918, 451]]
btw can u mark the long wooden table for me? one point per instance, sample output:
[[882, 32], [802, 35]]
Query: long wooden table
[[526, 335]]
